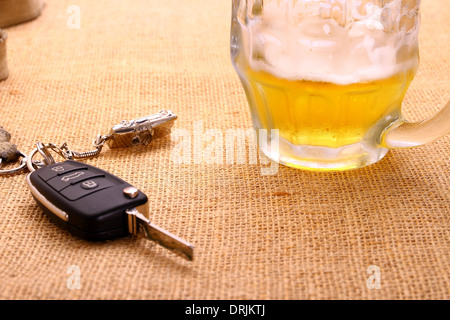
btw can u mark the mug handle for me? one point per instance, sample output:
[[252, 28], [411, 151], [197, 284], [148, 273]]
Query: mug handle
[[413, 134]]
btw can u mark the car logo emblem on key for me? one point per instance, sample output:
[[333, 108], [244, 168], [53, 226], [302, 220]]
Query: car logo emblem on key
[[72, 176]]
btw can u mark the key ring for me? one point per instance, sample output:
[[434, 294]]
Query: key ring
[[23, 165], [42, 149], [136, 132]]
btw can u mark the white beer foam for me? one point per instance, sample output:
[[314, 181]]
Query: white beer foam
[[308, 47]]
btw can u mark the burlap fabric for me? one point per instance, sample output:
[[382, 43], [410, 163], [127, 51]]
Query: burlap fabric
[[3, 61], [292, 235]]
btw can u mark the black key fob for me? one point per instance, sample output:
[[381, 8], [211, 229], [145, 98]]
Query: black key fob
[[95, 205], [86, 200]]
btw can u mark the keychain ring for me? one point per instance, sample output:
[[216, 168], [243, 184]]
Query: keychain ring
[[48, 159], [23, 165], [30, 163]]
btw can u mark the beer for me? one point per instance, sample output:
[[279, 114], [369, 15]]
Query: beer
[[325, 114], [328, 75]]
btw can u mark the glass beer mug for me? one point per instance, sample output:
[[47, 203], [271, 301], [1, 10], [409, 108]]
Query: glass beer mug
[[330, 77]]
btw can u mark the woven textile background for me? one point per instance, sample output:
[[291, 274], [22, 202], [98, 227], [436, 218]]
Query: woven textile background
[[292, 235]]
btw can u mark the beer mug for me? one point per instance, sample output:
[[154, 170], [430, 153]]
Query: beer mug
[[327, 78]]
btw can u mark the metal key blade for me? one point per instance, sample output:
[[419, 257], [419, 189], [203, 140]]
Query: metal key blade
[[139, 225]]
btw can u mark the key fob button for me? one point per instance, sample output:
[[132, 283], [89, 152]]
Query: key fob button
[[49, 172], [61, 182], [89, 184], [84, 188]]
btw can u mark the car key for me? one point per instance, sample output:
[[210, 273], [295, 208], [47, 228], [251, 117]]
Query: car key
[[96, 205]]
